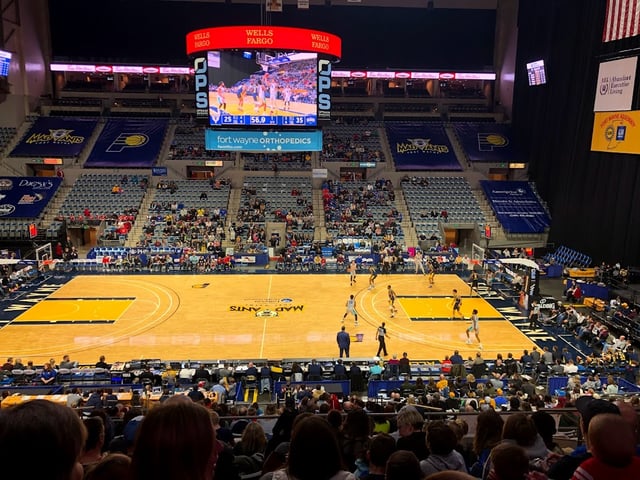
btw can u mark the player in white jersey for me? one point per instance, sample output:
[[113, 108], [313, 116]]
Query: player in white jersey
[[286, 96], [474, 327], [351, 309], [261, 103], [417, 260], [273, 95]]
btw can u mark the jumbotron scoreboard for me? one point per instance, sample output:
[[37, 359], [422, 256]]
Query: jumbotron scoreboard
[[273, 79]]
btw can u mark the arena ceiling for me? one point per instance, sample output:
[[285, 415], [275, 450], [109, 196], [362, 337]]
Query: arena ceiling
[[464, 4]]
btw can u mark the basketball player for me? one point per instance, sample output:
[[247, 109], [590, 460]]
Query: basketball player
[[222, 103], [273, 95], [392, 302], [261, 102], [241, 94], [432, 273], [352, 268], [373, 274], [351, 309], [474, 327], [473, 282], [417, 260], [286, 94], [457, 303]]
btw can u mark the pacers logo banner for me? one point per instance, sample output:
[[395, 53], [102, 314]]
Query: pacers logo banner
[[132, 143], [490, 142], [616, 132]]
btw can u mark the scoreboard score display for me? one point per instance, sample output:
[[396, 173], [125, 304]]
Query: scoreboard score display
[[252, 77]]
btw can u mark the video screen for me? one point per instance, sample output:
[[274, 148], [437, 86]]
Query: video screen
[[262, 89], [5, 62], [536, 73]]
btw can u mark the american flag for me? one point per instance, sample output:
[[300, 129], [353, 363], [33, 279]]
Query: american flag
[[622, 20]]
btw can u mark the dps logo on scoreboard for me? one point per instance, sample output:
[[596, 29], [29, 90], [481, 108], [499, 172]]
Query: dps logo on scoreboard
[[324, 90], [201, 87]]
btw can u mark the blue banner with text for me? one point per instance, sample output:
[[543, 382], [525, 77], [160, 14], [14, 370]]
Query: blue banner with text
[[516, 206], [26, 197], [55, 137], [265, 141], [421, 146]]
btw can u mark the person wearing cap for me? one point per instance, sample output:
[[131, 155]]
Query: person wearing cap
[[500, 399], [588, 407]]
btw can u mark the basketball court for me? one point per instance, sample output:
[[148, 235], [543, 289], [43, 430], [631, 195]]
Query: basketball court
[[254, 316]]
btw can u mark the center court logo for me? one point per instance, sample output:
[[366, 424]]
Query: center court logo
[[259, 308]]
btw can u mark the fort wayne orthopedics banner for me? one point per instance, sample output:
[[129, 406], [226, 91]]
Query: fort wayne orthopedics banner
[[616, 132]]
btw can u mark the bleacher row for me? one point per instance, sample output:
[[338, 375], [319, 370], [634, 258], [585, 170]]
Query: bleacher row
[[95, 193], [181, 374], [356, 140], [377, 215], [452, 195], [568, 257]]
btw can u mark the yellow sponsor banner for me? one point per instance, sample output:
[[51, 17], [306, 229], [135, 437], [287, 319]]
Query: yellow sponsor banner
[[616, 132]]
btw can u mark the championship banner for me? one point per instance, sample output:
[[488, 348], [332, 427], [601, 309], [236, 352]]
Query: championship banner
[[128, 143], [55, 137], [421, 146], [614, 91], [516, 206], [616, 132], [486, 142], [26, 197]]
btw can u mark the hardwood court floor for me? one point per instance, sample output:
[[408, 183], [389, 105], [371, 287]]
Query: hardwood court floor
[[177, 317]]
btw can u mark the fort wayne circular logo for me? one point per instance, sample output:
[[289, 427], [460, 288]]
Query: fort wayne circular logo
[[609, 132]]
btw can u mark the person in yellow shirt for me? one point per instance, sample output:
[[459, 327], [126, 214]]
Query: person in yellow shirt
[[442, 383]]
